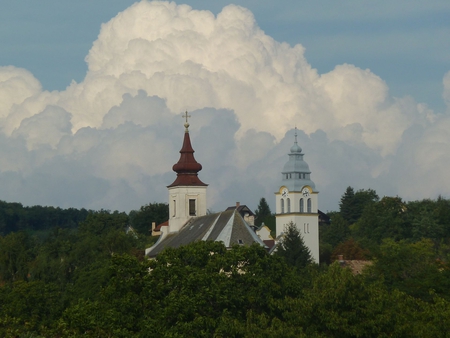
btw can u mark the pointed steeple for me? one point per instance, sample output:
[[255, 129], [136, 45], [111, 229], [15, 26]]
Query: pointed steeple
[[187, 167]]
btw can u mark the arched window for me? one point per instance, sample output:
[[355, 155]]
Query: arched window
[[288, 205], [309, 205], [302, 207], [282, 206]]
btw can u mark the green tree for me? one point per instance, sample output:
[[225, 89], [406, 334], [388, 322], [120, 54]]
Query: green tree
[[336, 232], [141, 220], [340, 304], [16, 253], [352, 204], [349, 249], [411, 268], [292, 248], [387, 218], [263, 214], [198, 290]]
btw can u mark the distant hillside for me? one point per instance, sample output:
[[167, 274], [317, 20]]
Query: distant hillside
[[15, 217]]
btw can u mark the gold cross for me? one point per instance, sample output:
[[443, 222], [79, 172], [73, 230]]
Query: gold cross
[[186, 116]]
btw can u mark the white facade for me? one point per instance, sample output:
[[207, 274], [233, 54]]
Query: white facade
[[288, 209], [185, 202]]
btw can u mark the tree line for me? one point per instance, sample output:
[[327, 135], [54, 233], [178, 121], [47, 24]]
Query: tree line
[[93, 281]]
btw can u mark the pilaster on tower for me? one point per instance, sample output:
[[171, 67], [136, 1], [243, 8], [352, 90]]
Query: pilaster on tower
[[187, 194]]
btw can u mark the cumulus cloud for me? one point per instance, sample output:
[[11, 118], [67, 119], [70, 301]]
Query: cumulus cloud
[[446, 94], [110, 141]]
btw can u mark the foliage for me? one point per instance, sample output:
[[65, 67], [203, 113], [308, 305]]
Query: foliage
[[88, 277], [16, 251], [352, 204], [336, 232], [292, 248], [349, 249], [385, 219], [263, 214], [412, 268], [15, 217], [141, 220]]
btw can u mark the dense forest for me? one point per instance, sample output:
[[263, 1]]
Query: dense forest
[[70, 273]]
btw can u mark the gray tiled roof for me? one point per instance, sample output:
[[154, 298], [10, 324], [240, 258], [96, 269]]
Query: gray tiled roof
[[228, 227]]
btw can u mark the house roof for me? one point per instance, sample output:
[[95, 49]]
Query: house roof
[[228, 227], [242, 209], [158, 227], [356, 266]]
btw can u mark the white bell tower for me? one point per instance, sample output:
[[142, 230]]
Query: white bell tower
[[297, 200], [187, 194]]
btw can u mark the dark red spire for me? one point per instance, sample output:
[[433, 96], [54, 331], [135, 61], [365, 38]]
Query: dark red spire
[[187, 167]]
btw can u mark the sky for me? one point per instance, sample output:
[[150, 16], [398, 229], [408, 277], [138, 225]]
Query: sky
[[92, 92]]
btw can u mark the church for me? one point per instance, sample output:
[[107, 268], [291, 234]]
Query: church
[[296, 201]]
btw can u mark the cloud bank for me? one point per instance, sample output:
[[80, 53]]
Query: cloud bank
[[110, 141]]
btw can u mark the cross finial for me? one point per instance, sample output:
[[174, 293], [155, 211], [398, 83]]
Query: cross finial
[[295, 134], [186, 125]]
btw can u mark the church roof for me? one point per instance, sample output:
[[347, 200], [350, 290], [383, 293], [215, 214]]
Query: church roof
[[187, 167], [228, 227]]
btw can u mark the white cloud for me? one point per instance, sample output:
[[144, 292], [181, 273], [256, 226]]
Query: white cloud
[[446, 94], [110, 141]]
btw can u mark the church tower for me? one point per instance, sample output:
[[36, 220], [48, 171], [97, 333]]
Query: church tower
[[187, 194], [297, 200]]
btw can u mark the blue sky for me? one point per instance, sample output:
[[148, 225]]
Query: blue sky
[[91, 93]]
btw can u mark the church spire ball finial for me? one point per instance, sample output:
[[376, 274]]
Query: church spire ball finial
[[186, 125]]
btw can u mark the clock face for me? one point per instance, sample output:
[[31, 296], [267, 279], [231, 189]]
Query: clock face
[[305, 192], [284, 192]]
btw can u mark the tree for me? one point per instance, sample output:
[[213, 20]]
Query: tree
[[16, 252], [141, 220], [346, 206], [263, 214], [350, 250], [353, 204], [384, 219], [411, 268], [335, 233], [293, 249]]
